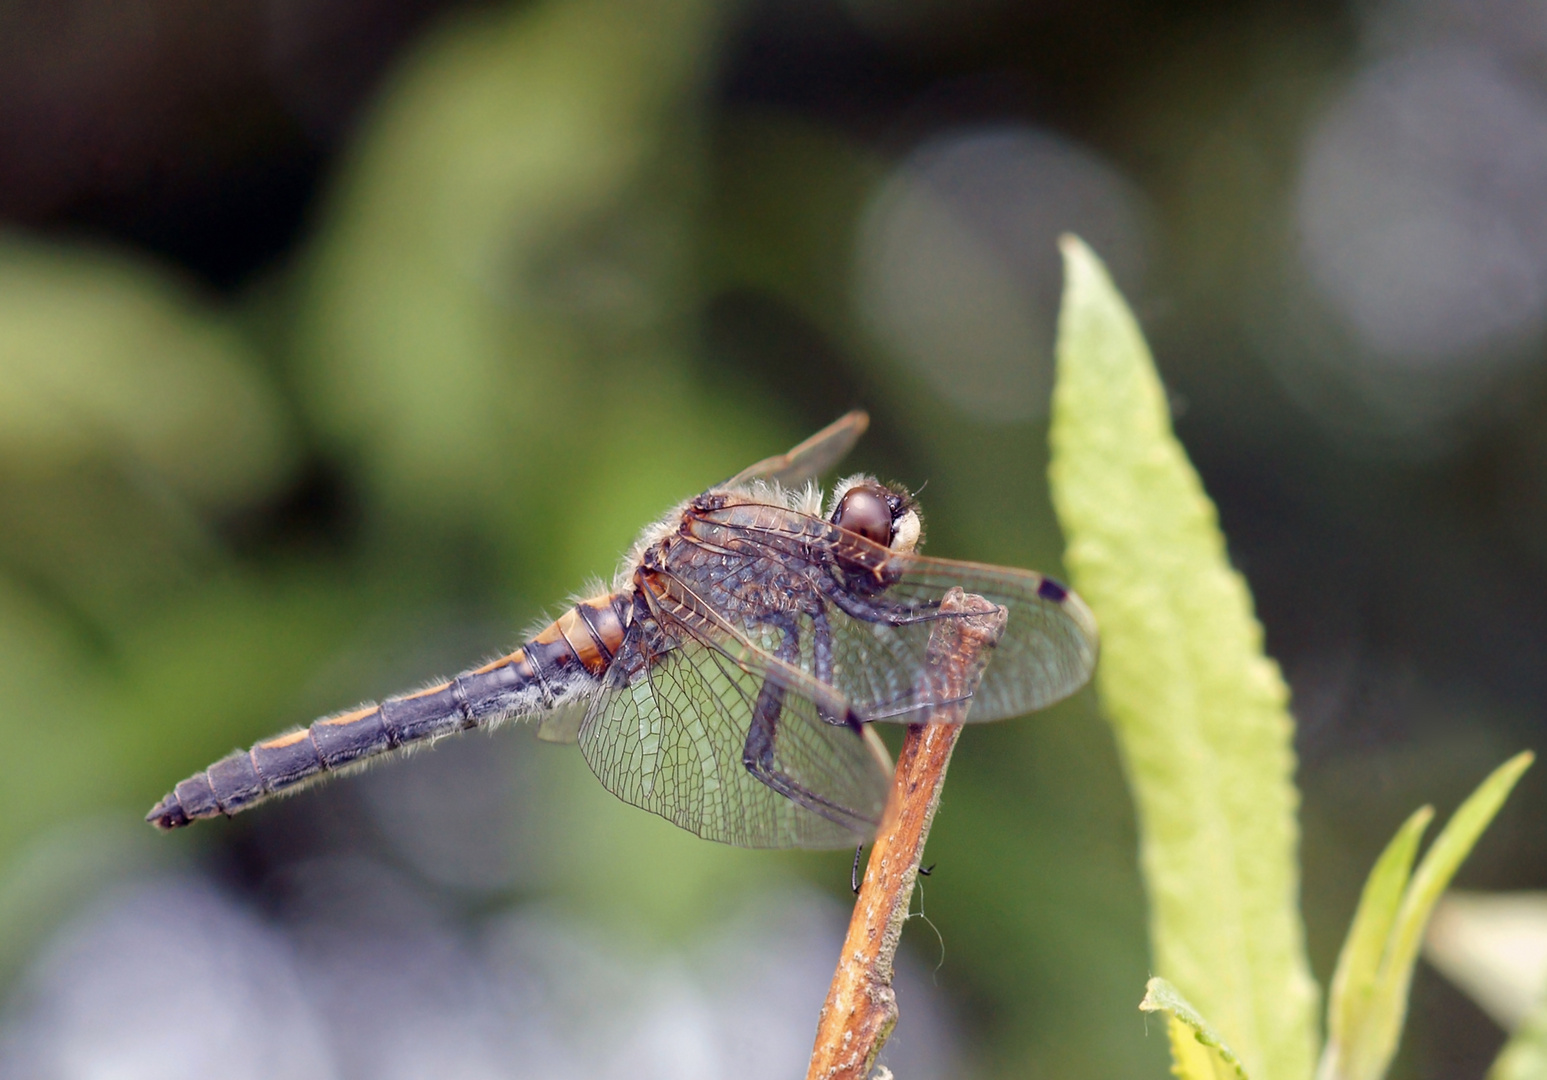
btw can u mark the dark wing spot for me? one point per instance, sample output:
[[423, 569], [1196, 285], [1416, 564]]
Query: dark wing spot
[[1051, 590]]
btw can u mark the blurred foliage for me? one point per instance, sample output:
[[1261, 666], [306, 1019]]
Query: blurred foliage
[[1524, 1057], [1493, 946], [510, 252]]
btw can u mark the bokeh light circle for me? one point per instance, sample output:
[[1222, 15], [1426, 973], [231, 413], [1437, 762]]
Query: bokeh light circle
[[957, 274], [1422, 209]]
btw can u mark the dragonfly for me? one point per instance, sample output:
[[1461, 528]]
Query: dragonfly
[[729, 679]]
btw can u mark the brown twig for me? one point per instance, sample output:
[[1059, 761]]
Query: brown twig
[[861, 1007]]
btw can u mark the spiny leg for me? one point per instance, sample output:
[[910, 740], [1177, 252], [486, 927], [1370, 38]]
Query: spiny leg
[[822, 661], [878, 609], [884, 612], [757, 756]]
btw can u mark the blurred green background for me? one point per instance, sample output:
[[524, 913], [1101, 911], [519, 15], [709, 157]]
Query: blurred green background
[[341, 340]]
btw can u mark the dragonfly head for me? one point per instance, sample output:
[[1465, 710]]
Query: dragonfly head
[[884, 515]]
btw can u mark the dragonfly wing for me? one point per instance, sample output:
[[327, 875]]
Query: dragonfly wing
[[755, 647], [878, 634], [673, 742], [562, 724], [811, 458], [1047, 651]]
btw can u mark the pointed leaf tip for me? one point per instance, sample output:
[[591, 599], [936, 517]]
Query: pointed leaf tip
[[1197, 1051], [1368, 1039], [1354, 983]]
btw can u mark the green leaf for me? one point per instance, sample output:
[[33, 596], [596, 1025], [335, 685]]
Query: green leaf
[[1197, 1051], [1524, 1057], [1199, 712], [1368, 1038], [1355, 981]]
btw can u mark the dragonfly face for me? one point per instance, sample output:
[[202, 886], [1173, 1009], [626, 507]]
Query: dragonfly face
[[728, 680]]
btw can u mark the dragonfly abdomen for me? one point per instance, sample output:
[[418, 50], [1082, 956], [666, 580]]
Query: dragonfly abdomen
[[574, 649]]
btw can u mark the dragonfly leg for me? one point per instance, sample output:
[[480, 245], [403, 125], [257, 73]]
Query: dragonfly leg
[[822, 661], [877, 610], [758, 754]]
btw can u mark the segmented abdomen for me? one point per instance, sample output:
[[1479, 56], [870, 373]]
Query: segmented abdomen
[[571, 651]]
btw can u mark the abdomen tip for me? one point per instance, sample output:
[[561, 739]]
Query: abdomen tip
[[168, 814]]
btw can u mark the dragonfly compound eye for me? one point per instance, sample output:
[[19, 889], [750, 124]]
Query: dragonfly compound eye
[[866, 510]]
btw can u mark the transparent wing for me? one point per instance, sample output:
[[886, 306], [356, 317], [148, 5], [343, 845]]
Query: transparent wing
[[1046, 653], [673, 742], [562, 724], [866, 615], [811, 458]]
